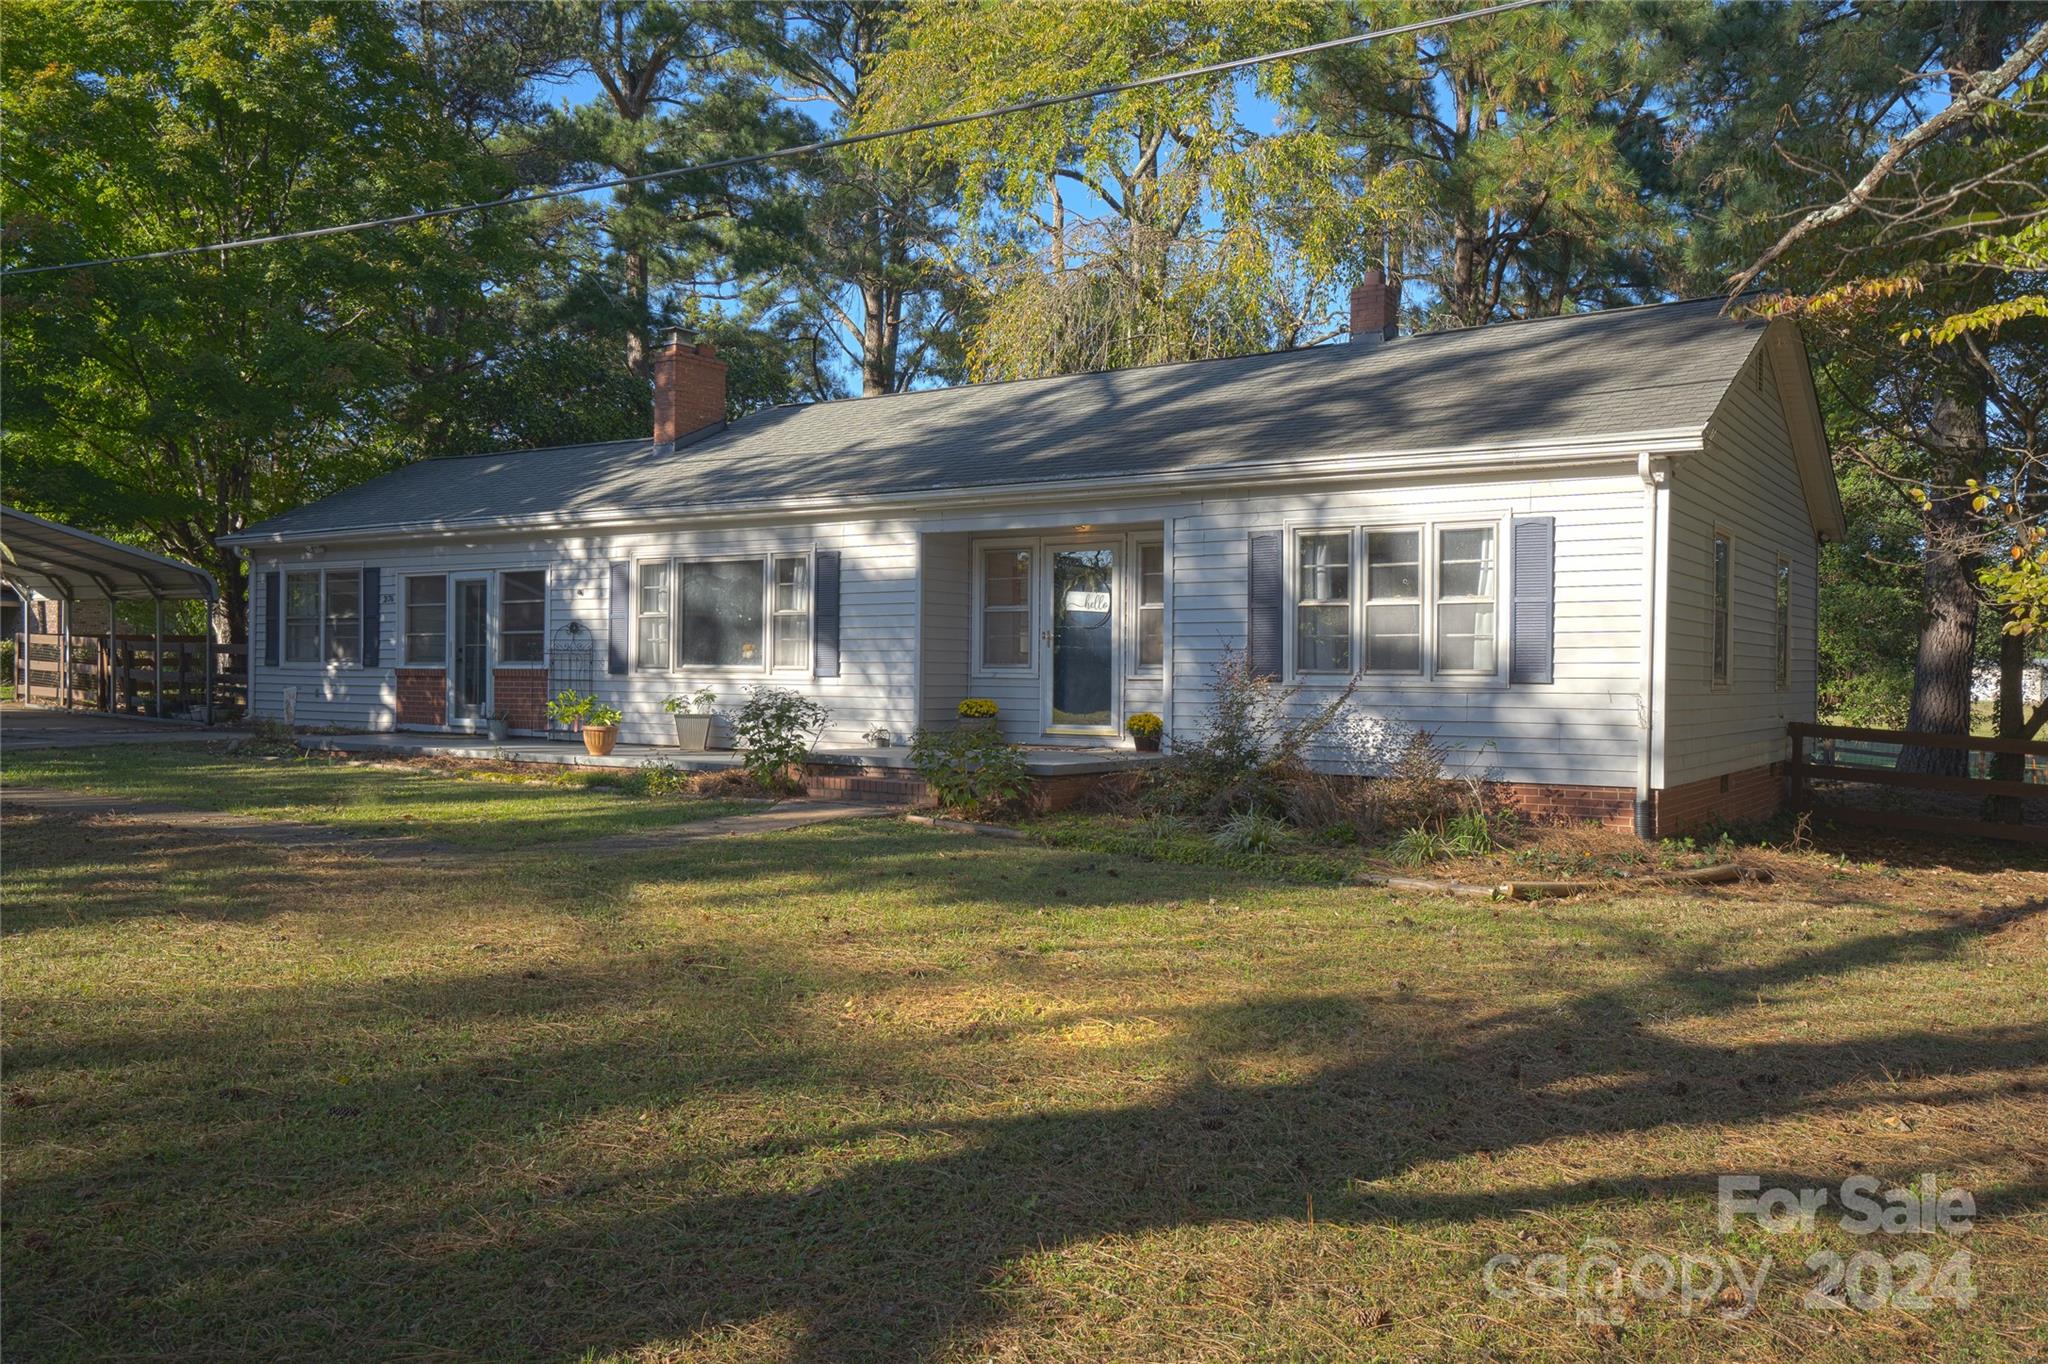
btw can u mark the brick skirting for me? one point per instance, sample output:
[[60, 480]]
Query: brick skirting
[[521, 696], [422, 696], [1612, 806], [1755, 793]]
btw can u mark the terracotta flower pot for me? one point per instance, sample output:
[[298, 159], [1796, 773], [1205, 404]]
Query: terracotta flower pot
[[599, 740]]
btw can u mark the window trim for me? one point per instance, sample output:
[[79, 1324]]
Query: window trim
[[1722, 632], [1029, 668], [406, 581], [1295, 535], [498, 659], [1134, 549], [640, 663], [1424, 579], [1781, 611], [809, 610]]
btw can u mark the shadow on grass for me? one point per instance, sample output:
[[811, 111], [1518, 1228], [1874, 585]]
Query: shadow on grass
[[269, 1205]]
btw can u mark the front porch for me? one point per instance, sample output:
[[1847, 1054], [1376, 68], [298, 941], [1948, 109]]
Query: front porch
[[1063, 627]]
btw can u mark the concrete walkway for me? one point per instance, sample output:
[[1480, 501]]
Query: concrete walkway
[[291, 833], [36, 727]]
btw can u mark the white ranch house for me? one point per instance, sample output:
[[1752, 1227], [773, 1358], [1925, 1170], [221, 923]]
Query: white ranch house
[[1580, 550]]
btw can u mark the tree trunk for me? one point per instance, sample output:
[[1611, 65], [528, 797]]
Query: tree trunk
[[636, 294], [2012, 724], [1948, 626]]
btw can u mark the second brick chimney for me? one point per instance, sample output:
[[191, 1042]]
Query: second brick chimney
[[1375, 309], [689, 389]]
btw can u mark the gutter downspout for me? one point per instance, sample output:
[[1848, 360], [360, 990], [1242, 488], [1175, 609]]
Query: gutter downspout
[[1655, 472]]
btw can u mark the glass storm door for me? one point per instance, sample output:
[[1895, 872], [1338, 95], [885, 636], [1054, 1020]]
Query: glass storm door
[[471, 675], [1083, 640]]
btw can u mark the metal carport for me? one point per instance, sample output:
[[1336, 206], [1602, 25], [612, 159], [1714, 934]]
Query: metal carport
[[71, 565]]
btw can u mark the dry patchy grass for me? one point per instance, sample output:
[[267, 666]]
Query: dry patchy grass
[[868, 1091]]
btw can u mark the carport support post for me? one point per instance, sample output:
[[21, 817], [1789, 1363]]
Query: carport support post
[[113, 642], [64, 645], [158, 656], [207, 649]]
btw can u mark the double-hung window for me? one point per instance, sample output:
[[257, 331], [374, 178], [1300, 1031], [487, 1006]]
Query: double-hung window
[[426, 619], [1465, 591], [523, 616], [1393, 601], [718, 607], [1151, 607], [654, 618], [790, 612], [1006, 608], [1723, 616], [302, 617], [1322, 619], [344, 617]]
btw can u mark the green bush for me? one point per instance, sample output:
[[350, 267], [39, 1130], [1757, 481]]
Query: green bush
[[570, 709], [7, 659], [1419, 846], [970, 770], [775, 731]]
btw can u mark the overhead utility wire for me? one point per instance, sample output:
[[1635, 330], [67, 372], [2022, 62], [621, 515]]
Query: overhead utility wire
[[802, 149]]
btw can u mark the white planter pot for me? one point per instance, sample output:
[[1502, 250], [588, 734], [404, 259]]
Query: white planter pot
[[693, 733]]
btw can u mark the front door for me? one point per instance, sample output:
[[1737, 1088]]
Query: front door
[[470, 679], [1083, 640]]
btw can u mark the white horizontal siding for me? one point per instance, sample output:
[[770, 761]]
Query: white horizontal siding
[[1746, 482]]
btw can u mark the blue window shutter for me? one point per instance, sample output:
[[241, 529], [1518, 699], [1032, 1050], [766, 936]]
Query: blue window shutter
[[621, 630], [1532, 612], [826, 653], [1265, 609], [273, 617], [373, 617]]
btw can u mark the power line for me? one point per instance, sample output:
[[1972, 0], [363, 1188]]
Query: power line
[[801, 149]]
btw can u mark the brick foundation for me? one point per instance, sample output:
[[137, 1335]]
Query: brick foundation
[[521, 696], [1752, 794], [422, 696], [1612, 806]]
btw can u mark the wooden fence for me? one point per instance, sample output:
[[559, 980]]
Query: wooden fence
[[125, 680], [2011, 771]]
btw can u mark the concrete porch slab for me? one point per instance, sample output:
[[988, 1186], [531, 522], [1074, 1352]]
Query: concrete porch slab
[[1040, 762]]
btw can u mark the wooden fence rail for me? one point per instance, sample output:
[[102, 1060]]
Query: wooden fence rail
[[125, 680], [1854, 754]]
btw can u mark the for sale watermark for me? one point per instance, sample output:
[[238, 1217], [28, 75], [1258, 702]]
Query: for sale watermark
[[1600, 1280]]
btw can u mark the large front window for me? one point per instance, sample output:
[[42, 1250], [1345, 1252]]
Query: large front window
[[523, 616], [1005, 608], [323, 617], [719, 608], [1322, 622], [1465, 601]]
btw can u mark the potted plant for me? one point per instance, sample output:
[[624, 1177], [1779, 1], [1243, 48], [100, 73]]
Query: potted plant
[[601, 728], [879, 736], [693, 718], [1145, 729], [498, 724], [977, 712]]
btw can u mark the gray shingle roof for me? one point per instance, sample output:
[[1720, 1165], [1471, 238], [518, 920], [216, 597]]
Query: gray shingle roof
[[1627, 372]]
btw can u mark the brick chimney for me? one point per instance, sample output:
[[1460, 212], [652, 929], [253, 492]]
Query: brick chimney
[[1375, 309], [689, 388]]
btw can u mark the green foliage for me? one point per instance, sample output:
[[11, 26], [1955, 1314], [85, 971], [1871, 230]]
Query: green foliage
[[1145, 725], [1252, 746], [698, 702], [1250, 831], [603, 716], [571, 709], [970, 769], [1208, 239], [775, 730], [976, 708], [1418, 846]]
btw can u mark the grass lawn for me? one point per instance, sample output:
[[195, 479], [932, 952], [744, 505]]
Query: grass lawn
[[481, 808], [871, 1091]]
